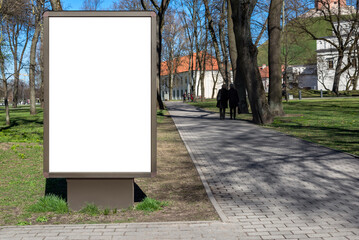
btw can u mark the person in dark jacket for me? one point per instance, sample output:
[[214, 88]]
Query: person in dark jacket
[[184, 96], [233, 101], [222, 101]]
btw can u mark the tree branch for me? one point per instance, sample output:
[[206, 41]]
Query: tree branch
[[261, 33]]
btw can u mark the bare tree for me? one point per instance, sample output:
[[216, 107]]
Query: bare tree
[[41, 65], [134, 5], [215, 76], [18, 31], [202, 58], [353, 76], [56, 5], [239, 83], [259, 21], [247, 66], [344, 22], [4, 82], [92, 5], [37, 10], [274, 59], [161, 11], [322, 74], [219, 42], [173, 44], [190, 23]]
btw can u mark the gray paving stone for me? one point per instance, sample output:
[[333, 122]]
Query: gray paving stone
[[291, 180]]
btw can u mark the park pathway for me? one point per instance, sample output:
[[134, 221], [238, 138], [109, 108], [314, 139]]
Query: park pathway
[[270, 184], [263, 184]]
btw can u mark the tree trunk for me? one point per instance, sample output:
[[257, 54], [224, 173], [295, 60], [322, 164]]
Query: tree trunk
[[338, 73], [56, 5], [238, 82], [160, 23], [15, 91], [159, 19], [34, 41], [4, 80], [215, 80], [202, 76], [170, 88], [355, 83], [274, 59], [42, 100], [215, 42], [222, 38], [247, 66]]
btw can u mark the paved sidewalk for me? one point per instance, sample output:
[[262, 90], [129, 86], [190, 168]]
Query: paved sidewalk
[[273, 185], [128, 231], [264, 184]]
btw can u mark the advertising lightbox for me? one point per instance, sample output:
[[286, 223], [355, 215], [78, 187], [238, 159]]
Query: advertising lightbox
[[100, 94]]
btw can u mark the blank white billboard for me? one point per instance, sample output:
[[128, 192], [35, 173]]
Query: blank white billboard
[[100, 95]]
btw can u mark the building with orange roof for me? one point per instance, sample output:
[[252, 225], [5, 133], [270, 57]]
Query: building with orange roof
[[264, 71], [181, 72]]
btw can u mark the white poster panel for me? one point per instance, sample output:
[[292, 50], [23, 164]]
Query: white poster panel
[[99, 84]]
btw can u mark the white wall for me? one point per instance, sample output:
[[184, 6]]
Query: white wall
[[181, 86], [326, 75]]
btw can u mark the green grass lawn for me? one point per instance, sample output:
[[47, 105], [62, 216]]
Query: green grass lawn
[[21, 151], [24, 127], [177, 192], [330, 122], [316, 93]]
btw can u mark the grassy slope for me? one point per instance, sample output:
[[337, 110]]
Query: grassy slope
[[301, 48], [330, 122]]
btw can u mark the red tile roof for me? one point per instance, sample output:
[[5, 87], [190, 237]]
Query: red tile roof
[[264, 71], [181, 64]]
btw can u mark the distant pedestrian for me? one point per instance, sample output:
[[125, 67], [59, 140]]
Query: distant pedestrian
[[184, 96], [233, 101], [222, 101], [191, 97]]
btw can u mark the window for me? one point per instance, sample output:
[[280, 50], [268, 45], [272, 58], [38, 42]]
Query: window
[[330, 64]]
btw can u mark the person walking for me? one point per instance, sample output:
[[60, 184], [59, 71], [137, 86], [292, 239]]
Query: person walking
[[233, 101], [222, 101], [184, 96]]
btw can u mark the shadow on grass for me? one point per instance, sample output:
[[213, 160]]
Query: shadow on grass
[[58, 187], [12, 124]]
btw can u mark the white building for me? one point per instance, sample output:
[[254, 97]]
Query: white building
[[182, 79], [327, 56], [303, 76]]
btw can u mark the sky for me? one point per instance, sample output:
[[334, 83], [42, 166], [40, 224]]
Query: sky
[[76, 4]]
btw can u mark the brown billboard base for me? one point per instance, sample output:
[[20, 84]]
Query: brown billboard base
[[104, 193]]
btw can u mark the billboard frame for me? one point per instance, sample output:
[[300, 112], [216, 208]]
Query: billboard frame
[[154, 72]]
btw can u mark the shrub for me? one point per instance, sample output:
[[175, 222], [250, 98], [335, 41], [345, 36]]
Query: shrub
[[90, 209], [50, 203], [23, 223], [150, 205], [106, 211], [41, 219]]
